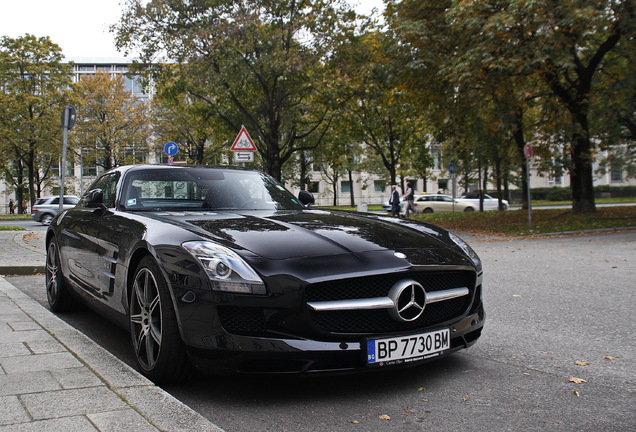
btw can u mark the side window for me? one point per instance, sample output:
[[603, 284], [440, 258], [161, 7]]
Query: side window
[[108, 184]]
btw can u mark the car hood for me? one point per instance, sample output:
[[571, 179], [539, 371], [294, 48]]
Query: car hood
[[286, 235]]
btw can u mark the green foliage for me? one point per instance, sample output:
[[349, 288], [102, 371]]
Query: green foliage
[[496, 62], [515, 222], [564, 194], [188, 121], [34, 85], [112, 127], [257, 63]]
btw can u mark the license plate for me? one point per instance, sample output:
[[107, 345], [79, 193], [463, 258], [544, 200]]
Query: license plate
[[404, 349]]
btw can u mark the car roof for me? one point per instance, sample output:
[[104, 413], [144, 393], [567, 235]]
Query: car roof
[[57, 196]]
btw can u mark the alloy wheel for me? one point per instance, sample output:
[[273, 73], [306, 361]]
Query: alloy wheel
[[51, 272], [146, 319]]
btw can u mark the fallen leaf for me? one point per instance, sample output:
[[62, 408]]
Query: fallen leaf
[[385, 417], [465, 399], [577, 380], [425, 400], [421, 389], [581, 363], [575, 393], [409, 412], [354, 421], [609, 358], [525, 373]]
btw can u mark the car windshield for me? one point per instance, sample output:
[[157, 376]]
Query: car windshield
[[202, 189]]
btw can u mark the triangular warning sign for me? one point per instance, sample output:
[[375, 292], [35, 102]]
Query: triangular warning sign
[[243, 141]]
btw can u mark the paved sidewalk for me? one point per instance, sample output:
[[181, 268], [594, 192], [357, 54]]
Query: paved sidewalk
[[54, 378]]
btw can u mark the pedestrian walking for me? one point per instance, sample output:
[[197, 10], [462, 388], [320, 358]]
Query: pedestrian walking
[[394, 201], [11, 207], [408, 197]]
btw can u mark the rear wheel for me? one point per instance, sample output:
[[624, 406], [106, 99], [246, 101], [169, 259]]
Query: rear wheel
[[159, 350], [57, 293], [469, 209], [428, 210]]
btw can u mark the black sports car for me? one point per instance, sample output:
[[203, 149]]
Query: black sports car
[[224, 269]]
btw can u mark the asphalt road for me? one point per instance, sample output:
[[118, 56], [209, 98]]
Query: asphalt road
[[550, 303]]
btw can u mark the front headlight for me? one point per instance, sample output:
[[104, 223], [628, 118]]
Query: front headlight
[[226, 269], [467, 250]]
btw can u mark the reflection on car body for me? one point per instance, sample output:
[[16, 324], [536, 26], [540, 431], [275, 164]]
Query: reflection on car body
[[225, 270], [45, 208]]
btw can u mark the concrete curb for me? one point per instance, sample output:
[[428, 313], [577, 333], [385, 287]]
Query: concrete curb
[[22, 244]]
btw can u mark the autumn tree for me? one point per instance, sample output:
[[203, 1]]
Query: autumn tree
[[257, 63], [112, 124], [381, 110], [563, 46], [187, 120], [33, 86]]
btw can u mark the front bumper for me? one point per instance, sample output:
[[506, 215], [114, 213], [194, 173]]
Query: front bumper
[[227, 353]]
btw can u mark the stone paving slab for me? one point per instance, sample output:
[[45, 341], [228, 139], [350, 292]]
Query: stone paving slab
[[54, 378]]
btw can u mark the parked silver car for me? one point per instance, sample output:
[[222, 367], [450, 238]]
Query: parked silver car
[[430, 203], [490, 203], [434, 203], [45, 208]]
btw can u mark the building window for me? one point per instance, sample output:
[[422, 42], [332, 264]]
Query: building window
[[89, 171], [313, 187], [616, 173], [345, 186], [379, 185]]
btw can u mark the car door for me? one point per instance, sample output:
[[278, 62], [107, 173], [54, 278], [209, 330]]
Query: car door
[[80, 243], [444, 203]]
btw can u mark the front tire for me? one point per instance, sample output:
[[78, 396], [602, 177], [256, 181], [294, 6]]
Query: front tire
[[57, 293], [159, 350]]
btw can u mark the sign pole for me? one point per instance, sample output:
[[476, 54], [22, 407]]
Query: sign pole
[[529, 200], [63, 168], [451, 170], [527, 152], [68, 121]]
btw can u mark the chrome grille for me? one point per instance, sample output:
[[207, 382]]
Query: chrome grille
[[373, 321]]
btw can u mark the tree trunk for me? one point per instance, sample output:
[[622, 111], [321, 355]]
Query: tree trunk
[[521, 143], [353, 198], [303, 171], [582, 176], [498, 181]]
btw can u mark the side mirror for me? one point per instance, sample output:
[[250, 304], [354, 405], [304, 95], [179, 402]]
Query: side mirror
[[94, 199], [306, 198]]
